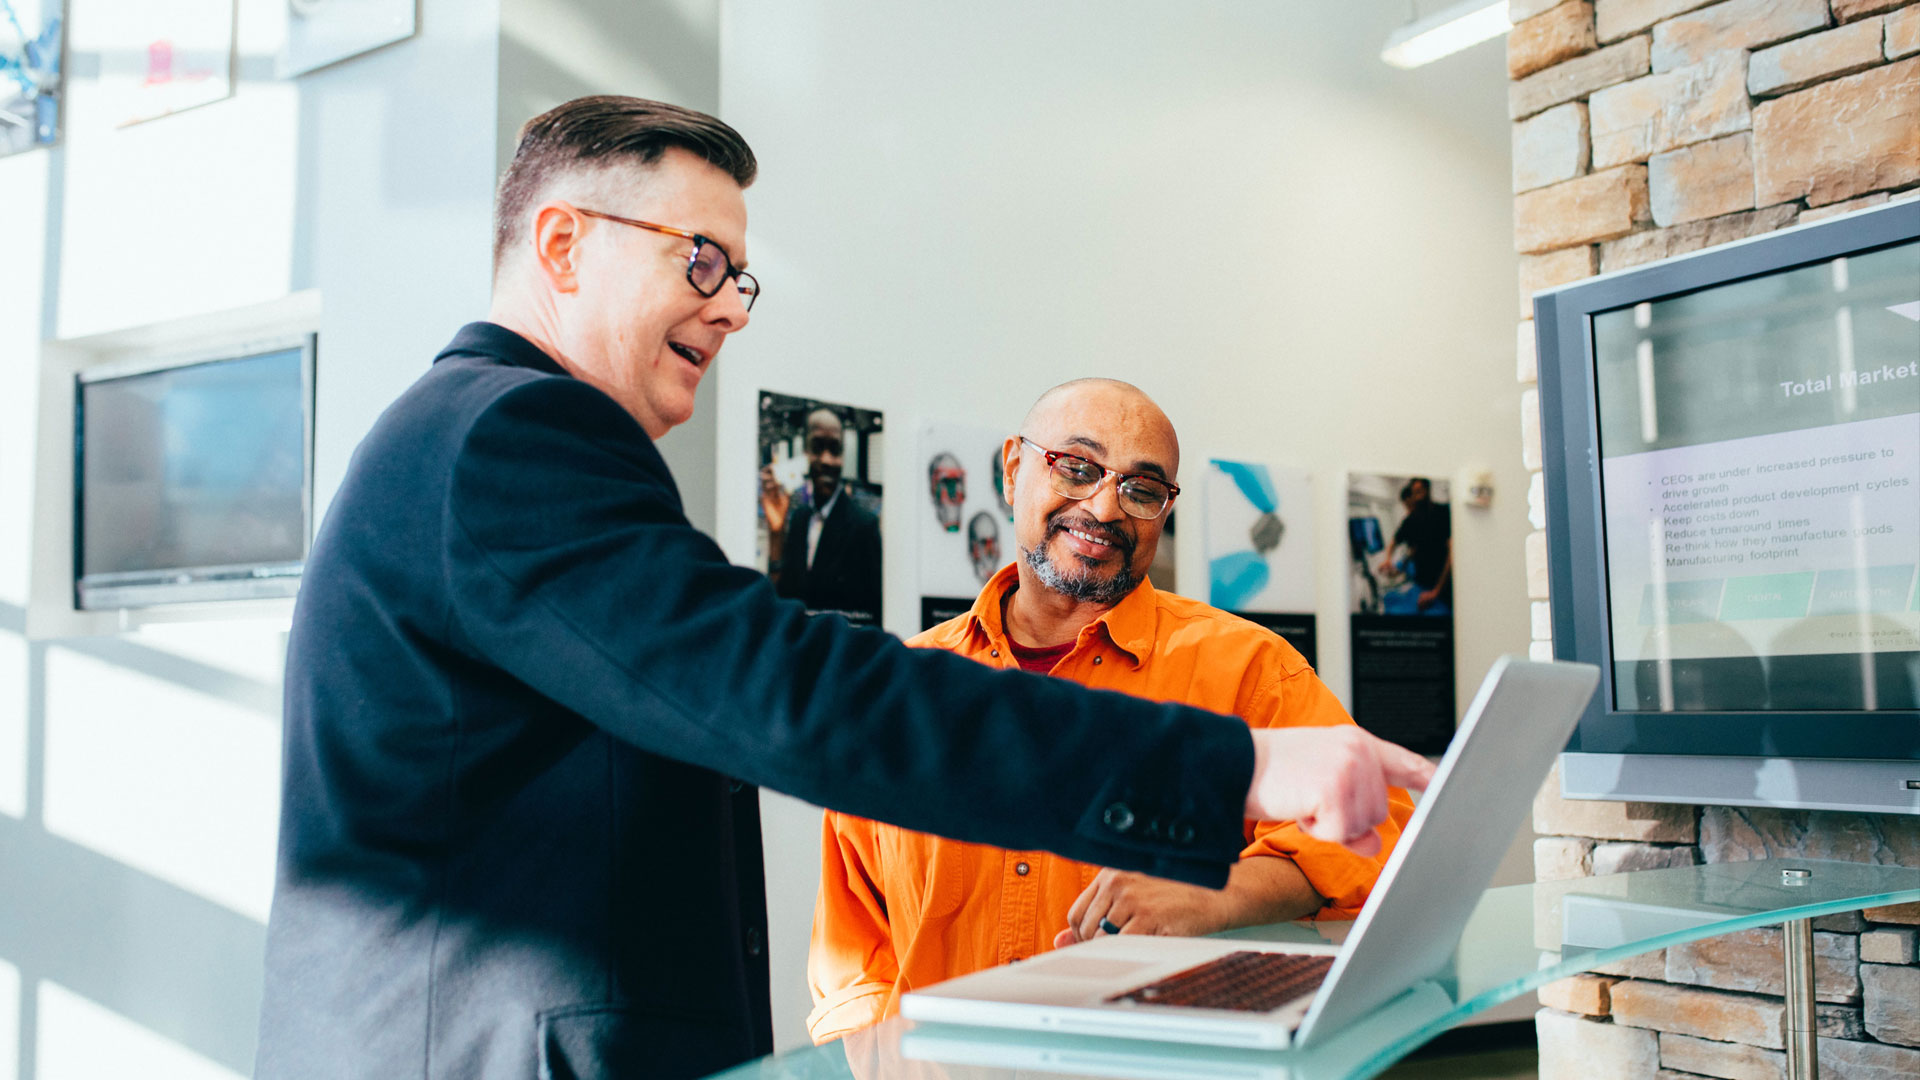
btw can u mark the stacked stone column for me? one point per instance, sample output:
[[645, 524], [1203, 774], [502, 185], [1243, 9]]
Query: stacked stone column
[[1645, 129]]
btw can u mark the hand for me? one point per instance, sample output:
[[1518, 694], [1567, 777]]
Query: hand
[[774, 500], [1140, 904], [1426, 599], [1331, 781]]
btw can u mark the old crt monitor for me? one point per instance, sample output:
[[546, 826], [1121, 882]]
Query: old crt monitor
[[1733, 518], [191, 478]]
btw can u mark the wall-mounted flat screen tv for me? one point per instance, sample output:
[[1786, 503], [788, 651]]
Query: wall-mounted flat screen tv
[[1733, 517], [193, 479]]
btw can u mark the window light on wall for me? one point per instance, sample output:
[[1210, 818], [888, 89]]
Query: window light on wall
[[1445, 32]]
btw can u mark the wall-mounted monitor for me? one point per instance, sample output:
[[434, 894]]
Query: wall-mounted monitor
[[1733, 518], [192, 477]]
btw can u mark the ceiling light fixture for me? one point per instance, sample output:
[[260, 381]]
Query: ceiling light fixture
[[1445, 32]]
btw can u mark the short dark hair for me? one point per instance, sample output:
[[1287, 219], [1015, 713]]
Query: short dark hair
[[606, 129]]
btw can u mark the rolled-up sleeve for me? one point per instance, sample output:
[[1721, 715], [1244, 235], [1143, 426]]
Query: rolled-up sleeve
[[851, 966], [1340, 875]]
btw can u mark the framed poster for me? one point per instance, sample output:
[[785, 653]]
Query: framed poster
[[965, 524], [1259, 545], [160, 57], [322, 32], [1400, 593], [819, 504], [31, 79]]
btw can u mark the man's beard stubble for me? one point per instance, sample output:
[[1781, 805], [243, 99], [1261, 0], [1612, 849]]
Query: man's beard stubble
[[1078, 582]]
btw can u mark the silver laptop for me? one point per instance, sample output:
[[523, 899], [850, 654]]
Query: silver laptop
[[1265, 994]]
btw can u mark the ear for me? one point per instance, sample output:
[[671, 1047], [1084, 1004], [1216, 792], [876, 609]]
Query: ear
[[1010, 455], [557, 230]]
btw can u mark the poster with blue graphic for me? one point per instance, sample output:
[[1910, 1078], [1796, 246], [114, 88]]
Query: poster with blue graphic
[[1259, 547]]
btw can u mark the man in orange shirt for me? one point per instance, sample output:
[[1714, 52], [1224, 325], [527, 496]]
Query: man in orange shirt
[[1091, 477]]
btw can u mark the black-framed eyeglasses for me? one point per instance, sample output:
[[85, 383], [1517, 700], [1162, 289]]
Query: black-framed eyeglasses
[[708, 268], [1141, 495]]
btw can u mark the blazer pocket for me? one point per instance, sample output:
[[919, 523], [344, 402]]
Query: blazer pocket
[[613, 1042]]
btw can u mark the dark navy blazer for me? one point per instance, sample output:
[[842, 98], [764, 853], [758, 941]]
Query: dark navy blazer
[[525, 705]]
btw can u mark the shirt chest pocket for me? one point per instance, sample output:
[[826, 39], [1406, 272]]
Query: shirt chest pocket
[[926, 876]]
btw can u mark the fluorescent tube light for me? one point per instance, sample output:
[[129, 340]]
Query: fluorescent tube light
[[1445, 32]]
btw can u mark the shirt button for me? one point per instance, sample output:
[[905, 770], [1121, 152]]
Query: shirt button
[[1096, 660], [1021, 869], [734, 786], [1183, 833], [1119, 817], [996, 654]]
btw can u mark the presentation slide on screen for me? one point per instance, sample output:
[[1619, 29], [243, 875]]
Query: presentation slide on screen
[[1794, 542]]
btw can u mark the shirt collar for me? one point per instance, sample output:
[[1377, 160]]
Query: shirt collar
[[1128, 625], [833, 500], [499, 343]]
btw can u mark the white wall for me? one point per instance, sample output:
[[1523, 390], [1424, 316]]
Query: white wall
[[1301, 253]]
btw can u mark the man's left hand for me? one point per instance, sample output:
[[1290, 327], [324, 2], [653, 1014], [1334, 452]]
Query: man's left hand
[[1141, 904]]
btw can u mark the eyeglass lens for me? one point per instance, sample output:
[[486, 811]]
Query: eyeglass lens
[[710, 268], [1077, 478]]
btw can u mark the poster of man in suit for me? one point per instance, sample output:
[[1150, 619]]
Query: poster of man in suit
[[820, 504]]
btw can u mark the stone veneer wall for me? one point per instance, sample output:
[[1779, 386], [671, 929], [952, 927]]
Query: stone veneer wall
[[1649, 128]]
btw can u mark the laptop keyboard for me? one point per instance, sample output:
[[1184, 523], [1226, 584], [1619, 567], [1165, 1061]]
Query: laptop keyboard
[[1243, 981]]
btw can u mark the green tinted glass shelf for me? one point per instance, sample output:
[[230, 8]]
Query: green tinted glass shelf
[[1519, 938]]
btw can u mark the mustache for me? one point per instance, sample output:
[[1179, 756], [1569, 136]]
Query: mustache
[[1112, 534]]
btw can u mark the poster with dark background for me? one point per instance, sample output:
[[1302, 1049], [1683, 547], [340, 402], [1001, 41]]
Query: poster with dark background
[[819, 504], [1400, 585]]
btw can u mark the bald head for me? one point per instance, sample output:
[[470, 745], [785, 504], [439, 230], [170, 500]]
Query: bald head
[[1097, 416]]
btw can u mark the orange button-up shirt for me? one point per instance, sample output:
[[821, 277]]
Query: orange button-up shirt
[[901, 909]]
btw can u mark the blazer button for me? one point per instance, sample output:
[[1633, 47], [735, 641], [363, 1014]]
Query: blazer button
[[753, 941], [1119, 817], [1021, 869]]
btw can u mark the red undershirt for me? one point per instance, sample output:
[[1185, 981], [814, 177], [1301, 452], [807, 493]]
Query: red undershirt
[[1039, 661]]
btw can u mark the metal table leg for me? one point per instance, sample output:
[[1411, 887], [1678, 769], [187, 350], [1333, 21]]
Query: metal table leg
[[1803, 1045]]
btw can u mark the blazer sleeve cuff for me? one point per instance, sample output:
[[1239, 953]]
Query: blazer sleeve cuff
[[1182, 822]]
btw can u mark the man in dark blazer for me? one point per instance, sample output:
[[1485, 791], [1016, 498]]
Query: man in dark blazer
[[826, 546], [527, 702]]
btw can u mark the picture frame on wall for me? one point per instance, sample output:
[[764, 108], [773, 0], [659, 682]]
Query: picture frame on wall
[[160, 57], [32, 76], [819, 504], [1259, 541], [321, 33]]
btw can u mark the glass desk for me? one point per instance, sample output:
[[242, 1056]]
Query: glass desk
[[1519, 938]]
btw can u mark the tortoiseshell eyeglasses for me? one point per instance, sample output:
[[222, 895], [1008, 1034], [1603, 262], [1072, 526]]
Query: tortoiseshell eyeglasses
[[708, 268]]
